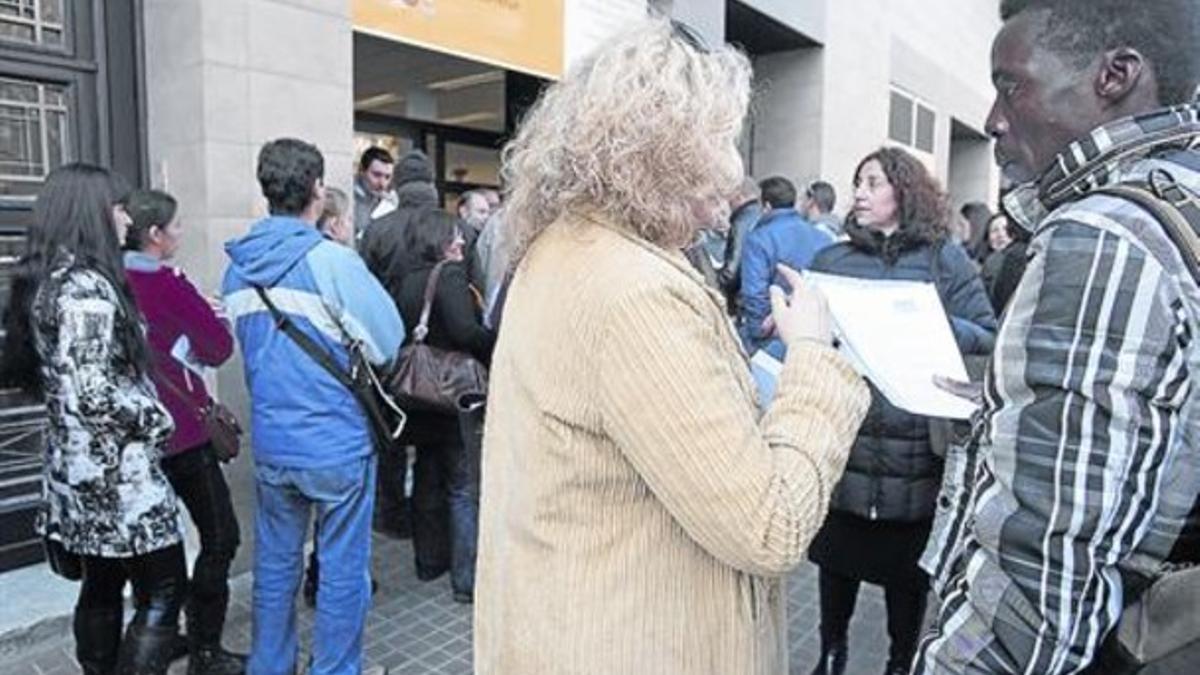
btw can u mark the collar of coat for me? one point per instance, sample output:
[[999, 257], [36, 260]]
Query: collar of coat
[[675, 258], [1101, 158], [890, 247]]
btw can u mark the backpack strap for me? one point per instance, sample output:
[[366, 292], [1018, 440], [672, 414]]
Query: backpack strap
[[1173, 206]]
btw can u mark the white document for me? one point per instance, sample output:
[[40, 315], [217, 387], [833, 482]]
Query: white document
[[181, 351], [896, 334]]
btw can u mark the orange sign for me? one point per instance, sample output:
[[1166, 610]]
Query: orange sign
[[525, 35]]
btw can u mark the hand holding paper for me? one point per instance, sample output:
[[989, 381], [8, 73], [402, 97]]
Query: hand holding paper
[[897, 335]]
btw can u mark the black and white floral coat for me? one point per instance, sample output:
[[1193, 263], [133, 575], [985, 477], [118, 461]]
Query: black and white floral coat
[[106, 494]]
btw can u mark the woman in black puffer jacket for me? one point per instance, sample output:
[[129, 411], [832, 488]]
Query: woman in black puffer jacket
[[882, 509]]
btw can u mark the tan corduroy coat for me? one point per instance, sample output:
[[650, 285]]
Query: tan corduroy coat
[[638, 516]]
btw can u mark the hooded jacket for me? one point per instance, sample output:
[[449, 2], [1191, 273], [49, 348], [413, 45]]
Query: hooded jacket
[[301, 416], [892, 473]]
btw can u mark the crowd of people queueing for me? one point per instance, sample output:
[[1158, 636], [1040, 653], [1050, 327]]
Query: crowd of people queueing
[[631, 506]]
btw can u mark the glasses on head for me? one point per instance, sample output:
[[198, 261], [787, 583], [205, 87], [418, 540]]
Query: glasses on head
[[689, 36]]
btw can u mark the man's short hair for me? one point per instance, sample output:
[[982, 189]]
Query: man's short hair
[[1165, 32], [823, 195], [288, 171], [374, 154], [778, 192]]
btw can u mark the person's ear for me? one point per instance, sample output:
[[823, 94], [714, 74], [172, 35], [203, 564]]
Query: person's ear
[[1121, 71]]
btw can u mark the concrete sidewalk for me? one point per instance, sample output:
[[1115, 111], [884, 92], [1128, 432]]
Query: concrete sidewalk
[[416, 629]]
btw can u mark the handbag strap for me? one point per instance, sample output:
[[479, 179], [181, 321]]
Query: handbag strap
[[306, 344], [422, 329], [187, 396]]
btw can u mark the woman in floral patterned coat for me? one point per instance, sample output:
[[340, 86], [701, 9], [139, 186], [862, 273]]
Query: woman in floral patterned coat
[[75, 338]]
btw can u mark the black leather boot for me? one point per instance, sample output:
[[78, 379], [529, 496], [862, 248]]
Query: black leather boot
[[146, 650], [215, 660], [97, 639], [833, 660]]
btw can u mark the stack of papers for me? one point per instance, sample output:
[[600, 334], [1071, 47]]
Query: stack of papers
[[896, 334]]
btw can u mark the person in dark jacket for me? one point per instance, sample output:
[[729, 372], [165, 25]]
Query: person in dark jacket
[[746, 210], [185, 335], [1003, 269], [882, 509], [383, 249], [445, 498], [383, 242]]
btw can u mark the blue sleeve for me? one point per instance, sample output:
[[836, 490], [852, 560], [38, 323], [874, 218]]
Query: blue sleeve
[[971, 316], [357, 300], [756, 280]]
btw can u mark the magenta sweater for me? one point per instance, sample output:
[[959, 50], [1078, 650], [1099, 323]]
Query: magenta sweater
[[172, 308]]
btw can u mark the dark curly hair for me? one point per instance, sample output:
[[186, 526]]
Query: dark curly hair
[[922, 207]]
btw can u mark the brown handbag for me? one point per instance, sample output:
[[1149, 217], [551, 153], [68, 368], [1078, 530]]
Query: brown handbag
[[224, 431], [433, 379]]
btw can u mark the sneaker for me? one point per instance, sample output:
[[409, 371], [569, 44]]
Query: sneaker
[[375, 670], [464, 597]]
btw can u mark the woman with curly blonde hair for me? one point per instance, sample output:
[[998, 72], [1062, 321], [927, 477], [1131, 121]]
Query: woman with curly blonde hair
[[638, 514]]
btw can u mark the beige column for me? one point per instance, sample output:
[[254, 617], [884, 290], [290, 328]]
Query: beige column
[[223, 77]]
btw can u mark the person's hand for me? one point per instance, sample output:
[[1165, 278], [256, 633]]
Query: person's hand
[[804, 315], [971, 391]]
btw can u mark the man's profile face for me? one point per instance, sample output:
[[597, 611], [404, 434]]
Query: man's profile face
[[378, 177], [1043, 102], [475, 211]]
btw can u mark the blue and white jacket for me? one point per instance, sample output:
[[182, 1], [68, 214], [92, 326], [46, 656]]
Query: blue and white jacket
[[301, 416]]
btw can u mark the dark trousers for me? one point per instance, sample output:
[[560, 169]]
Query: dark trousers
[[197, 478], [159, 587], [391, 503], [445, 507], [905, 611]]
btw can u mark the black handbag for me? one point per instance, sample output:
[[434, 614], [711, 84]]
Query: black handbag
[[385, 418], [430, 378], [62, 562]]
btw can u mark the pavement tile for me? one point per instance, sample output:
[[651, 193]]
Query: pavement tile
[[415, 628]]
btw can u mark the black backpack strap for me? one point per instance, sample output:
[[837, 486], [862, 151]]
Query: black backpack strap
[[1173, 206], [307, 344]]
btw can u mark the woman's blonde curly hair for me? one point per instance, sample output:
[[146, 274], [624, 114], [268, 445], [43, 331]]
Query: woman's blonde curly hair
[[642, 133]]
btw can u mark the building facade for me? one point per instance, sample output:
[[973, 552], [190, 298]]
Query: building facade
[[180, 94]]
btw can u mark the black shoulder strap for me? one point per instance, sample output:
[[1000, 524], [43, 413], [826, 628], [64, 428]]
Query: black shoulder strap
[[307, 344], [1173, 206]]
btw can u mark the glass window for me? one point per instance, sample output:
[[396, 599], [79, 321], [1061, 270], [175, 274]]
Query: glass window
[[397, 145], [37, 22], [925, 124], [472, 164], [900, 120], [33, 135]]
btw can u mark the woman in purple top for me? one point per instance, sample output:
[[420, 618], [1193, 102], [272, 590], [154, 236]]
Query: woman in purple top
[[185, 334]]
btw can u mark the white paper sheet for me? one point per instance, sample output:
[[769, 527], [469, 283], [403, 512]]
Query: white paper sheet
[[896, 334]]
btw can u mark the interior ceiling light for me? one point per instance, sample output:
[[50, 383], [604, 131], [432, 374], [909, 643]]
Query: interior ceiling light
[[467, 81], [377, 101], [470, 118]]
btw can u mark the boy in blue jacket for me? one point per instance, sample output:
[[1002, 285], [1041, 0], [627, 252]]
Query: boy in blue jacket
[[311, 440]]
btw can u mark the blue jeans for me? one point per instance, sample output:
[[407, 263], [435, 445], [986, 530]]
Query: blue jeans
[[343, 500]]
